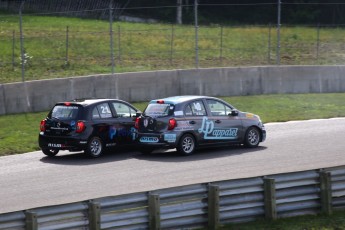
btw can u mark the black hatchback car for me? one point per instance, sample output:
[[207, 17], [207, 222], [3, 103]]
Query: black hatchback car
[[188, 122], [90, 125]]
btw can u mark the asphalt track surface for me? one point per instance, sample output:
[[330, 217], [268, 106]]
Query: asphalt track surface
[[33, 180]]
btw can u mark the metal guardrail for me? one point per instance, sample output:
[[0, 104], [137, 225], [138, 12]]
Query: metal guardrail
[[195, 206], [297, 193], [126, 211], [338, 187], [241, 200]]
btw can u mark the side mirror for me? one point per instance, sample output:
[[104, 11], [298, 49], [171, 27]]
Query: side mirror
[[138, 113], [234, 112]]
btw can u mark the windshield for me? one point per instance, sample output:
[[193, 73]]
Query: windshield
[[158, 110], [63, 112]]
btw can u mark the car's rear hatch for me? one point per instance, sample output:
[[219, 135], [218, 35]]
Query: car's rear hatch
[[155, 118], [62, 120]]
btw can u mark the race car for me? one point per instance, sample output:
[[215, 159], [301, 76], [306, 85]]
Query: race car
[[189, 122], [91, 125]]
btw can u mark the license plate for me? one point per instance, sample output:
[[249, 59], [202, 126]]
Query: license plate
[[149, 139], [54, 145]]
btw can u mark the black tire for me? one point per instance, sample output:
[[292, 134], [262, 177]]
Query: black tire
[[95, 147], [252, 137], [50, 152], [146, 151], [186, 146]]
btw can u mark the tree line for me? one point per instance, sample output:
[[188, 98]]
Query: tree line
[[182, 11]]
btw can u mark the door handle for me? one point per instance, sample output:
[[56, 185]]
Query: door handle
[[217, 121], [192, 122]]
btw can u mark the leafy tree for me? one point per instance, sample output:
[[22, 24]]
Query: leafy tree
[[209, 11]]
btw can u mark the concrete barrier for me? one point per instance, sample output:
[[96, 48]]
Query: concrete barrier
[[35, 96]]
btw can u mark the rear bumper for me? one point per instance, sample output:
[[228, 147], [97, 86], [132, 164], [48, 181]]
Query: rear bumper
[[61, 143], [157, 140]]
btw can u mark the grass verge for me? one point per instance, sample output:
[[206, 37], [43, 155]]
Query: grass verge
[[19, 132]]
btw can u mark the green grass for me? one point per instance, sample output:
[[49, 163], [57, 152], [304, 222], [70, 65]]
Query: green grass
[[19, 132], [309, 222], [139, 46], [275, 108]]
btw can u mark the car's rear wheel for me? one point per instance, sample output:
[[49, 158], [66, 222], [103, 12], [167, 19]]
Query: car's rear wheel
[[50, 152], [94, 147], [252, 137], [186, 145]]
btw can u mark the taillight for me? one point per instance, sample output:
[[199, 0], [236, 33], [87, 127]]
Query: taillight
[[80, 127], [43, 125], [172, 124], [136, 124]]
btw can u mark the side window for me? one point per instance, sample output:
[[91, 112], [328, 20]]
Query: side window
[[196, 108], [95, 113], [218, 108], [123, 110], [104, 110], [188, 111]]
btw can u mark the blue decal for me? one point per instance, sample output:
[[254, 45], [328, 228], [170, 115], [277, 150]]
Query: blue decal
[[121, 132], [170, 137], [212, 133], [149, 139], [112, 132], [133, 133], [73, 125]]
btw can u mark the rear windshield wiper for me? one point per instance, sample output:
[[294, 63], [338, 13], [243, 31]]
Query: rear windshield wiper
[[55, 118]]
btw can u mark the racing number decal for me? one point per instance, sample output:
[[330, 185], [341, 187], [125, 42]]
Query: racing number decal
[[105, 109]]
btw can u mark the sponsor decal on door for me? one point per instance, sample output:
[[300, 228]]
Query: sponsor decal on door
[[213, 133]]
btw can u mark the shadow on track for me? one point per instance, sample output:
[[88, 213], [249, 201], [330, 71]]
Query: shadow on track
[[80, 158], [123, 154], [200, 154]]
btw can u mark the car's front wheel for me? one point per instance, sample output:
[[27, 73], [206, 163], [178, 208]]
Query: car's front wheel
[[186, 145], [94, 147], [50, 152], [252, 137]]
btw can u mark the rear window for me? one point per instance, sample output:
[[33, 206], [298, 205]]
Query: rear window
[[64, 112], [158, 110]]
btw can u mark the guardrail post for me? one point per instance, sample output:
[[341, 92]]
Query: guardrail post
[[94, 216], [30, 220], [326, 192], [154, 212], [270, 198], [213, 206]]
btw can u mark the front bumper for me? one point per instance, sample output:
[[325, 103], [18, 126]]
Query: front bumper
[[263, 132]]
